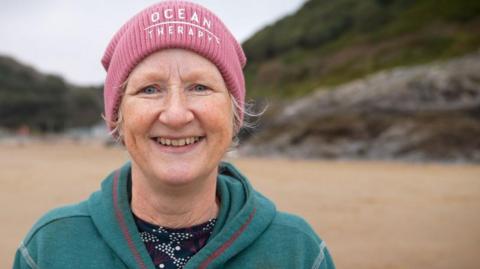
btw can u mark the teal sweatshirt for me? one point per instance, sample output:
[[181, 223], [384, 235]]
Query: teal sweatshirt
[[101, 233]]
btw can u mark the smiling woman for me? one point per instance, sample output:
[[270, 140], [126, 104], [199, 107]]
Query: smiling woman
[[176, 102], [174, 110]]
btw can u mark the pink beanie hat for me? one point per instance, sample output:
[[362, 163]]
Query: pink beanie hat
[[171, 24]]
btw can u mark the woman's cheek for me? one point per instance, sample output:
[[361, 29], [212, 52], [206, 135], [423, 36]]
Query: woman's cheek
[[140, 113], [217, 112]]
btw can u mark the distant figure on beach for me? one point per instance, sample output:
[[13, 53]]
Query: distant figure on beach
[[22, 134], [175, 98]]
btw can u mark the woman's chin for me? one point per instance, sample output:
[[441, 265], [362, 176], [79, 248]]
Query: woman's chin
[[178, 175]]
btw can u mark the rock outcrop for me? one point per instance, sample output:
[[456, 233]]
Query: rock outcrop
[[429, 112]]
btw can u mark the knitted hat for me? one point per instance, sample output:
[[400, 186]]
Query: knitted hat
[[171, 24]]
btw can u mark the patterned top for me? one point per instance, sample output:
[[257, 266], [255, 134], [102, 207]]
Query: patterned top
[[173, 248]]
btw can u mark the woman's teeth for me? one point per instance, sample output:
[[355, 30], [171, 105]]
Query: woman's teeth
[[178, 142]]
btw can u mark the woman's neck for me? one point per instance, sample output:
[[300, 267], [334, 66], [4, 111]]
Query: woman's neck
[[174, 206]]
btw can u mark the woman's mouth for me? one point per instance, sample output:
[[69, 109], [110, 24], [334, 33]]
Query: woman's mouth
[[177, 142]]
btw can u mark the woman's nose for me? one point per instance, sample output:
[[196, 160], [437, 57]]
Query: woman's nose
[[175, 112]]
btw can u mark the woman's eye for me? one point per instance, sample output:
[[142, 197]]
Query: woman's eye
[[149, 90], [200, 88]]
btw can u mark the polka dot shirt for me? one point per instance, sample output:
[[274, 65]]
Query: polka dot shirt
[[173, 248]]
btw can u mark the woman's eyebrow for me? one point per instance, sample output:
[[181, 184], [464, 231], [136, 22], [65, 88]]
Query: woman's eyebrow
[[149, 77], [199, 74]]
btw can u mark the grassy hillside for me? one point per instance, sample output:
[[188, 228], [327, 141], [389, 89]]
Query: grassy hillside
[[327, 42], [45, 103]]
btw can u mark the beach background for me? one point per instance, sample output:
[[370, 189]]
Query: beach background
[[372, 214]]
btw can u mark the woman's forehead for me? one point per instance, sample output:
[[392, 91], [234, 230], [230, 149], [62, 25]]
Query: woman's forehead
[[167, 63]]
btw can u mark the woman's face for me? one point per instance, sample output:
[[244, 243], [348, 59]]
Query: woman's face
[[177, 117]]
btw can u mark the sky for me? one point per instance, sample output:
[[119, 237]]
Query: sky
[[68, 38]]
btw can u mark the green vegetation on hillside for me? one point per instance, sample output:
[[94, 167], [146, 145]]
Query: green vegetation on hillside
[[327, 42], [45, 103]]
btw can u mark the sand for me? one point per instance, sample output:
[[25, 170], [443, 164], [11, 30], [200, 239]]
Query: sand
[[371, 214]]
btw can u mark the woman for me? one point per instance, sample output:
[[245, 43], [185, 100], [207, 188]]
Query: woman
[[174, 96]]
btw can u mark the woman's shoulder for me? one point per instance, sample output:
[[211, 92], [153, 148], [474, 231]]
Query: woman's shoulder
[[286, 221], [295, 243], [59, 218], [62, 237], [294, 224]]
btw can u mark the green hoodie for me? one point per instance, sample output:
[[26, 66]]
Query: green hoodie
[[101, 233]]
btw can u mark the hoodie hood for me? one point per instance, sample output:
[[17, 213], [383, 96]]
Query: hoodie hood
[[244, 215]]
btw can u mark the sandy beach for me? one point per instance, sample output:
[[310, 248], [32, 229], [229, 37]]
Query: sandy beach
[[371, 214]]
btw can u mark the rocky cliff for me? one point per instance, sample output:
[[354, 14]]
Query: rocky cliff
[[429, 112]]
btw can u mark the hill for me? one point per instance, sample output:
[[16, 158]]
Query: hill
[[423, 113], [44, 103], [326, 43]]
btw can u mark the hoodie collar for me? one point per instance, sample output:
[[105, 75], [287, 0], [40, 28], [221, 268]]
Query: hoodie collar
[[243, 216]]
